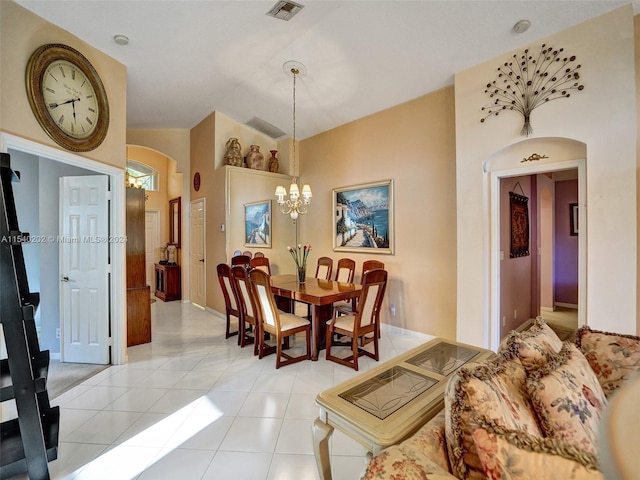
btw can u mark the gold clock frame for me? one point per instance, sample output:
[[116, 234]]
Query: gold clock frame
[[40, 59]]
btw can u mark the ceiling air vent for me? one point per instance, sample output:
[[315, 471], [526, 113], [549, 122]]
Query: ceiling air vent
[[266, 128], [285, 10]]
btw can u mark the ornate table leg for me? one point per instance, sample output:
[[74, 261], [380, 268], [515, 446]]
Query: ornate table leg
[[321, 433], [315, 313]]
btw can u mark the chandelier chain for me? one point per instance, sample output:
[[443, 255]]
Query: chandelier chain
[[295, 73], [299, 200]]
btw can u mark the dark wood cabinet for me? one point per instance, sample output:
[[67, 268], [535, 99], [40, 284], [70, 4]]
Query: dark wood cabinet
[[138, 292], [168, 282]]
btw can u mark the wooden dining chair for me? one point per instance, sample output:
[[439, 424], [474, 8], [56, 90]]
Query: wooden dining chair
[[261, 263], [345, 270], [258, 254], [324, 268], [348, 307], [247, 253], [240, 260], [231, 308], [246, 318], [361, 323], [275, 322], [236, 253]]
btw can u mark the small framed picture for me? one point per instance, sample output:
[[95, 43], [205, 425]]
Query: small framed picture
[[363, 218], [257, 224], [573, 218]]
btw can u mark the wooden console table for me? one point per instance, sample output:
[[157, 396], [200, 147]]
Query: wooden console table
[[168, 282], [363, 409]]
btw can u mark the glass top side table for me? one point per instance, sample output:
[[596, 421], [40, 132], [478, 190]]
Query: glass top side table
[[389, 403]]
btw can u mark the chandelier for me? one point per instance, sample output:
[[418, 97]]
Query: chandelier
[[296, 204], [132, 181]]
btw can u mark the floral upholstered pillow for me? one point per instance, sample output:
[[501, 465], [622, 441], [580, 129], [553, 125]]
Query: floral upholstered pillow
[[493, 391], [402, 462], [513, 455], [568, 399], [534, 345], [613, 357], [430, 440]]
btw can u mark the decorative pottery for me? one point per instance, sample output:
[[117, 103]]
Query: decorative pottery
[[273, 162], [255, 159], [233, 153]]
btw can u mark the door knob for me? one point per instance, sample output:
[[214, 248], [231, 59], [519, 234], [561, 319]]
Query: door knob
[[65, 279], [202, 260]]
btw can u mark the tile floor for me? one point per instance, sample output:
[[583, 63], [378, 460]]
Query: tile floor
[[192, 405]]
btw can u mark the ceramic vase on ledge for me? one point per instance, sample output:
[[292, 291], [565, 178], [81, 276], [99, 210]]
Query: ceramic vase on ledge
[[302, 274], [255, 159], [233, 153], [273, 162]]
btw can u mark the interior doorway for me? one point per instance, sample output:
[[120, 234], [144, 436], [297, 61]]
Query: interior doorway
[[117, 278], [539, 277], [498, 255]]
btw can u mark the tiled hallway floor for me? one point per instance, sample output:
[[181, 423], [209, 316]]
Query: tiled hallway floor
[[192, 405]]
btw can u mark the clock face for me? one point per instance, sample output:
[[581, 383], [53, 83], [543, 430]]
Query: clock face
[[67, 97], [196, 181], [70, 99]]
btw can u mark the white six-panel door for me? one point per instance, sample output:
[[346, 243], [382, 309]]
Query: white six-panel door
[[197, 256], [84, 263]]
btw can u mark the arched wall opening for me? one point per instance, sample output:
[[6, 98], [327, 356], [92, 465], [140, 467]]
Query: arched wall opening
[[528, 157]]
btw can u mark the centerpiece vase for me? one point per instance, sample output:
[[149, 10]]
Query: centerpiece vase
[[302, 274]]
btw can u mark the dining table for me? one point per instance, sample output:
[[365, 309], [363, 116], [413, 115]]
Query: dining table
[[317, 292]]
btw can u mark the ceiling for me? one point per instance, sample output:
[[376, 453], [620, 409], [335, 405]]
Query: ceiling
[[188, 58]]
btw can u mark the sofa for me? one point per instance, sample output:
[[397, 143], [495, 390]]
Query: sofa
[[531, 412]]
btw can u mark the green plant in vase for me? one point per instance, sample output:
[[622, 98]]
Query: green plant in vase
[[299, 255]]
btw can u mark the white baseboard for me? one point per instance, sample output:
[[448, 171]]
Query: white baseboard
[[566, 305], [403, 331], [524, 326]]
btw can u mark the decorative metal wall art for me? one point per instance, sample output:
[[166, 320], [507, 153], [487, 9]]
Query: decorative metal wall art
[[530, 80], [533, 158]]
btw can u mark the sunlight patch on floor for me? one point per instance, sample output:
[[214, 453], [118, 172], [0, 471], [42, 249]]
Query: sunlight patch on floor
[[129, 459]]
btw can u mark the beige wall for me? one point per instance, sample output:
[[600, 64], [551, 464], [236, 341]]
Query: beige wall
[[174, 145], [159, 199], [413, 144], [636, 20], [21, 32], [599, 117], [226, 190]]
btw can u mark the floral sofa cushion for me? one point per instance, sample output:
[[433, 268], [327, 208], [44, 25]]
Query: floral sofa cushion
[[515, 455], [613, 357], [493, 390], [533, 345], [430, 440], [567, 398], [406, 463]]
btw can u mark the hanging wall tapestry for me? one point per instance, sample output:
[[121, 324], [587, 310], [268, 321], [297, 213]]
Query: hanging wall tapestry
[[519, 208]]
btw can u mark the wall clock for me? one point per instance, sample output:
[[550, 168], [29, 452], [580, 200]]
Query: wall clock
[[67, 97], [196, 181]]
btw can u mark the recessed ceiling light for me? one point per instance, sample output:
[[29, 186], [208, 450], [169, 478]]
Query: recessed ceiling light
[[121, 39], [522, 26]]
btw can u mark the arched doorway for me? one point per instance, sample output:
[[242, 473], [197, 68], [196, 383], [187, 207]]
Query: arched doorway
[[517, 161]]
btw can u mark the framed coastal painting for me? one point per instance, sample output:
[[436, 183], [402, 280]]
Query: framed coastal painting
[[257, 224], [363, 218]]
